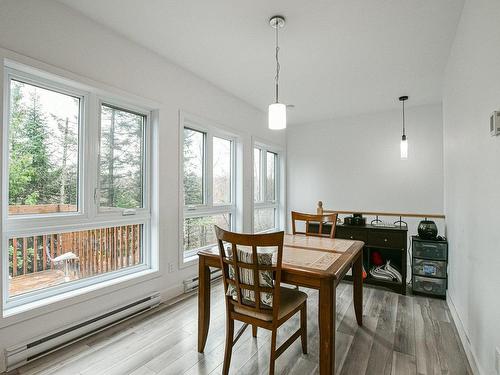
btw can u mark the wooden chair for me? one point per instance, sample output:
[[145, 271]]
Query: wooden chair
[[317, 219], [241, 264]]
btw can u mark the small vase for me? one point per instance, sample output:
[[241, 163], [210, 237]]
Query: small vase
[[427, 229]]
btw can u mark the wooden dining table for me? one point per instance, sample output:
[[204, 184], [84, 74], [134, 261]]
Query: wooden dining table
[[312, 262]]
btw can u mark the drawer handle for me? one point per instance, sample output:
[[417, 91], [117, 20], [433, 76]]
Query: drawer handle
[[352, 237], [385, 239]]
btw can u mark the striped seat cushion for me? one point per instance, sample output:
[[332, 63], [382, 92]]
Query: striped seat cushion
[[264, 257]]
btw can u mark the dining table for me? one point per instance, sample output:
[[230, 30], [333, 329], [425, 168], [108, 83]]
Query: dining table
[[309, 261]]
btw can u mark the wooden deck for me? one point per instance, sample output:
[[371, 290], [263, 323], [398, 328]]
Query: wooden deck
[[33, 263], [38, 280], [402, 335]]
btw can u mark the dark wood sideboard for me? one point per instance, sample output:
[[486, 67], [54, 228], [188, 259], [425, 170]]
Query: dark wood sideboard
[[390, 242]]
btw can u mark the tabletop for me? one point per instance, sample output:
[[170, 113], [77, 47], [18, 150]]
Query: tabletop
[[318, 256]]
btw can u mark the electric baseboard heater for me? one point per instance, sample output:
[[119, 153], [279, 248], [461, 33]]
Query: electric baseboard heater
[[22, 354], [193, 283]]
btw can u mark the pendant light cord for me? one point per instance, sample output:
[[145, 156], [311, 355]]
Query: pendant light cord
[[278, 67]]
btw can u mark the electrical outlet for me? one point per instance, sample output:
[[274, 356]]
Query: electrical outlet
[[497, 360], [170, 267]]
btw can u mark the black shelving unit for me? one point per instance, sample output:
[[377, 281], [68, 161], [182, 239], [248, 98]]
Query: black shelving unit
[[391, 242], [429, 267]]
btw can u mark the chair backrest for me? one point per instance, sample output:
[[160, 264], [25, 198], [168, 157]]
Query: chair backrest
[[251, 278], [318, 220]]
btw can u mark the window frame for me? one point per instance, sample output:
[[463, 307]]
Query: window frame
[[208, 208], [87, 216], [146, 162], [19, 221], [264, 202]]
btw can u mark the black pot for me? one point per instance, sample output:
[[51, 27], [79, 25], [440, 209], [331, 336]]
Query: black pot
[[427, 230], [348, 220], [358, 220]]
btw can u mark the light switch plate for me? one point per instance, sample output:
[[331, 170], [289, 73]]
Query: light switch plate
[[497, 360]]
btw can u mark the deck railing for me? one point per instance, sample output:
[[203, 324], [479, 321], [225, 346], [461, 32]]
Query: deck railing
[[98, 250]]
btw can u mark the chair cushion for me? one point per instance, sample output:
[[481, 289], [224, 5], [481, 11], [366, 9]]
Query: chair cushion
[[290, 299], [246, 275]]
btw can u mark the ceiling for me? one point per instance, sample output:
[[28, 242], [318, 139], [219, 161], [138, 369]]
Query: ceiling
[[338, 57]]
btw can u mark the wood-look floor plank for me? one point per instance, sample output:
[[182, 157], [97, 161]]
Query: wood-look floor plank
[[425, 343], [358, 355], [380, 360], [449, 352], [439, 310], [343, 343], [402, 335], [143, 370], [348, 323], [403, 364]]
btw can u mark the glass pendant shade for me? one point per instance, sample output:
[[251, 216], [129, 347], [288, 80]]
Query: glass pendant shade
[[404, 148], [277, 116]]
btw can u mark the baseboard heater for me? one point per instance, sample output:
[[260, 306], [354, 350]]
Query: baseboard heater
[[192, 284], [22, 354]]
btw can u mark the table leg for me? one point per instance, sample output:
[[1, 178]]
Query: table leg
[[327, 302], [357, 276], [203, 303]]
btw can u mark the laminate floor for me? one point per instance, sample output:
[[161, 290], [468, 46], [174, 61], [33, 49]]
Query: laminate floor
[[401, 335]]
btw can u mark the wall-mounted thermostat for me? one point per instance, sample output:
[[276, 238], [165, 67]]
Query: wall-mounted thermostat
[[495, 123]]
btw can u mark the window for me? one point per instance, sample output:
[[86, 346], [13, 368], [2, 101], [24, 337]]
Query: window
[[208, 184], [222, 171], [266, 194], [77, 189], [43, 150], [194, 166], [121, 158]]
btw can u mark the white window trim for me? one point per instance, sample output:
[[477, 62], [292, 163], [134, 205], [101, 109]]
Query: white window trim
[[20, 221], [277, 203], [87, 216], [208, 208], [146, 209]]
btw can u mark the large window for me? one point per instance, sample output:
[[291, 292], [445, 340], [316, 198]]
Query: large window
[[44, 131], [266, 193], [208, 184], [77, 188]]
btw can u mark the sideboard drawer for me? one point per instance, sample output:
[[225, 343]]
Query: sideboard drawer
[[429, 285], [424, 267], [430, 250], [387, 238], [350, 233]]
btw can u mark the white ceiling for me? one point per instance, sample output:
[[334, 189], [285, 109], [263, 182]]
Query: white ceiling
[[338, 57]]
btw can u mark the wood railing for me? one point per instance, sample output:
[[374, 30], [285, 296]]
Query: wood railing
[[23, 209], [320, 210], [98, 250]]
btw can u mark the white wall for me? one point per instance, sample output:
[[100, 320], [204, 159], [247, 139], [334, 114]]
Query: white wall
[[472, 177], [56, 35], [354, 163]]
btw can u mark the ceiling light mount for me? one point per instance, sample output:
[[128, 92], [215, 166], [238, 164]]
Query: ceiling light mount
[[277, 22]]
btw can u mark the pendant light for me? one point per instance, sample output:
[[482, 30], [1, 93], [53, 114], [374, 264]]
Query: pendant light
[[277, 110], [404, 140]]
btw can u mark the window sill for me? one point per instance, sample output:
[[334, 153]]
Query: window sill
[[29, 310], [192, 258]]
